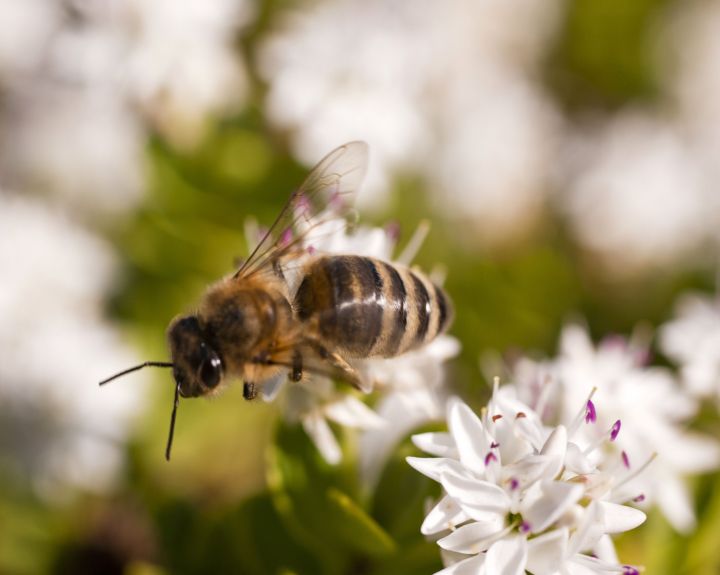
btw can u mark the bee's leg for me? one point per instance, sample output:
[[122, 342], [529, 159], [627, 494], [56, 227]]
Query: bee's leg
[[297, 366], [345, 371], [250, 390]]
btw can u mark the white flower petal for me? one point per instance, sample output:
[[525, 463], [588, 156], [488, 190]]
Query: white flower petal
[[507, 557], [481, 500], [433, 467], [576, 461], [470, 437], [321, 434], [352, 412], [474, 537], [440, 444], [446, 515], [588, 532], [557, 497], [546, 553], [528, 470], [472, 566], [555, 447], [619, 518]]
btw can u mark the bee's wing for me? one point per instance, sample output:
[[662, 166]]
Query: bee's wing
[[331, 183]]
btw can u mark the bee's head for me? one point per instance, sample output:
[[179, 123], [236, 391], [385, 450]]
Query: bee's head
[[197, 367]]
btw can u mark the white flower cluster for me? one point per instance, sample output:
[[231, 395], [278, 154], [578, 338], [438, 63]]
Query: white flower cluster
[[58, 430], [454, 80], [84, 83], [523, 497], [648, 397]]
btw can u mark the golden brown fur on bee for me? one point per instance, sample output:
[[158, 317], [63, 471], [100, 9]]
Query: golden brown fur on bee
[[247, 320]]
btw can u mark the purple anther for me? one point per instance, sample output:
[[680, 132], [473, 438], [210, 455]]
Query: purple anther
[[514, 484], [630, 570], [525, 527], [490, 457], [286, 237], [494, 445], [615, 430], [625, 459], [311, 250], [590, 413], [639, 498]]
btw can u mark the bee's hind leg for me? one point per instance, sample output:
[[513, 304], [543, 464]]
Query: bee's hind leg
[[342, 369]]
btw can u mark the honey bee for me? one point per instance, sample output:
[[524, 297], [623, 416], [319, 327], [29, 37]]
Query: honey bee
[[251, 326]]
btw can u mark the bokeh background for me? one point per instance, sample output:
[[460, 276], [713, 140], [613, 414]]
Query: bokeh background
[[566, 154]]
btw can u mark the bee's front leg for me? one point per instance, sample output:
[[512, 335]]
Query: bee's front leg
[[250, 390], [297, 366]]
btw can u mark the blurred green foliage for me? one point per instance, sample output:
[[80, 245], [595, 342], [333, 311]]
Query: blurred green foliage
[[246, 493]]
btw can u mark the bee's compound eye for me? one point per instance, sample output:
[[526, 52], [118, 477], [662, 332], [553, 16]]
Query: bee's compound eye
[[211, 371]]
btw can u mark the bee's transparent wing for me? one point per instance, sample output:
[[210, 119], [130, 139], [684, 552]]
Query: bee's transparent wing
[[331, 184]]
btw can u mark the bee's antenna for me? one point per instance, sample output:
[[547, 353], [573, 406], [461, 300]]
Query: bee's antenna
[[130, 370], [172, 422]]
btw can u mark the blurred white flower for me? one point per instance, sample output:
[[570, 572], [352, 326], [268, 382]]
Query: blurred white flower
[[183, 64], [58, 429], [648, 401], [637, 196], [25, 29], [452, 79], [85, 147], [89, 80], [692, 339], [515, 501]]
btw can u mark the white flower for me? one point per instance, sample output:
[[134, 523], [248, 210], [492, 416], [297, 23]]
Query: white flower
[[637, 197], [692, 339], [97, 79], [651, 405], [60, 429], [513, 500]]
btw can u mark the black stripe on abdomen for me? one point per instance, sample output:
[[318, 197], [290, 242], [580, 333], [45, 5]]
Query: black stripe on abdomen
[[444, 308], [422, 304], [396, 303]]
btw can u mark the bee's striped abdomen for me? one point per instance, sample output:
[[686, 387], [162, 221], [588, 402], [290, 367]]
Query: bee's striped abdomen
[[366, 307]]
